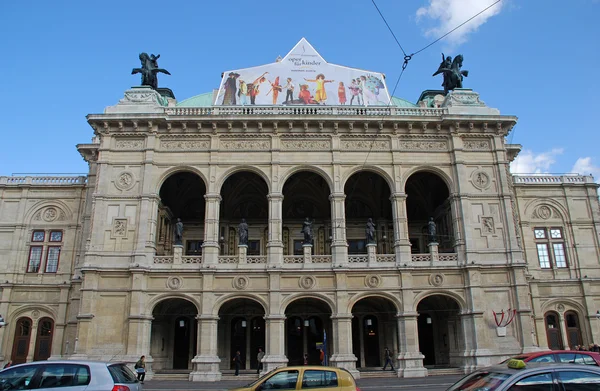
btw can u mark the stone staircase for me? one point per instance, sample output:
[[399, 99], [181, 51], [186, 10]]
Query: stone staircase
[[171, 374], [444, 371], [369, 373]]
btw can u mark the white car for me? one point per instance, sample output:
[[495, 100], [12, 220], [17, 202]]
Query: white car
[[69, 376]]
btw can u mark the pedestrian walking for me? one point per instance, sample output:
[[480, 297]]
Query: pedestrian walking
[[237, 362], [140, 369], [388, 359], [259, 358]]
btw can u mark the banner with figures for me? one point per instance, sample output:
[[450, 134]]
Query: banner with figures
[[302, 77]]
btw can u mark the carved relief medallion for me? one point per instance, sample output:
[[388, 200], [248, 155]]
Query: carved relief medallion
[[560, 307], [174, 282], [372, 281], [240, 282], [436, 279], [120, 228], [35, 314], [487, 225], [50, 214], [544, 212], [480, 179], [307, 282], [124, 181]]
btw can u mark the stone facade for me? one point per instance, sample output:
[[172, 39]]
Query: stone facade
[[122, 288]]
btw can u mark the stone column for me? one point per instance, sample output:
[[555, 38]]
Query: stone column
[[410, 359], [275, 343], [32, 339], [206, 363], [563, 330], [275, 243], [401, 240], [343, 357], [339, 245], [469, 323], [210, 247]]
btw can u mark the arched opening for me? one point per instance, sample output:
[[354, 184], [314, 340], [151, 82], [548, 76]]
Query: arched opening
[[241, 328], [244, 196], [21, 340], [306, 200], [308, 329], [43, 340], [174, 334], [573, 329], [368, 197], [553, 333], [181, 197], [440, 335], [427, 196], [374, 328]]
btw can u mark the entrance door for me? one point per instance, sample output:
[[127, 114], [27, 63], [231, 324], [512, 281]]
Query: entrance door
[[181, 343], [371, 342], [238, 340], [553, 333], [21, 341], [426, 343], [573, 330], [43, 340]]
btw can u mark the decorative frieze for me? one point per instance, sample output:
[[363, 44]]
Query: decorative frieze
[[365, 145], [129, 144], [477, 145], [305, 145], [184, 145], [246, 145], [423, 145]]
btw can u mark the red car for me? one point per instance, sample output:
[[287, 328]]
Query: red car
[[563, 356]]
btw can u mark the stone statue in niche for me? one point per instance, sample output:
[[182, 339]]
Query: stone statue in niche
[[307, 231], [243, 233], [370, 231], [432, 230], [178, 232]]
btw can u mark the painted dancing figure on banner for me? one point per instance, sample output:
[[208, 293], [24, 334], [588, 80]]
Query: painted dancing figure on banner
[[342, 93], [355, 91], [230, 88], [320, 95], [275, 88], [253, 88], [289, 90]]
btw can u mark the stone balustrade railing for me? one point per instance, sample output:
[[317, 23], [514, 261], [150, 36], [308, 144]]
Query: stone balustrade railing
[[552, 179], [305, 110], [43, 180]]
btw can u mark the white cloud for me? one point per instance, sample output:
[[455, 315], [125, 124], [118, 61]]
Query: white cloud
[[450, 13], [585, 166], [528, 162]]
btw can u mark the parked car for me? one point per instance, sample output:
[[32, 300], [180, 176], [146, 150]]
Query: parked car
[[564, 356], [315, 378], [76, 375], [519, 375]]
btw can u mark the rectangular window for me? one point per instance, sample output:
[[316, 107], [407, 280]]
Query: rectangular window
[[56, 236], [253, 247], [52, 258], [38, 236], [542, 250], [559, 254], [35, 259]]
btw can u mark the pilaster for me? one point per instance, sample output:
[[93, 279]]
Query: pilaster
[[275, 241], [339, 245], [275, 343], [401, 240], [342, 344], [210, 247], [410, 359], [206, 362]]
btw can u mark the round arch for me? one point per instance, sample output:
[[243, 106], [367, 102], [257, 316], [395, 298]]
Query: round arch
[[433, 170], [530, 207], [151, 305], [176, 170], [46, 203], [317, 296], [313, 169], [550, 305], [365, 295], [234, 170], [462, 305], [376, 170], [26, 311], [228, 298]]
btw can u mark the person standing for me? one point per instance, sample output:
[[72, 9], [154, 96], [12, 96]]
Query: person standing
[[140, 369], [237, 362], [8, 364], [305, 358], [289, 90], [259, 358], [322, 356], [388, 359]]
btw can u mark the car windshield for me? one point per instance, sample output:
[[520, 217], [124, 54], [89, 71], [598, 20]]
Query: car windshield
[[483, 380], [121, 374]]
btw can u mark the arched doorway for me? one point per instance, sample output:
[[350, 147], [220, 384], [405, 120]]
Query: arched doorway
[[307, 329], [21, 340], [440, 331], [244, 196], [428, 197], [368, 197], [553, 333], [241, 328], [181, 196], [374, 328], [43, 340], [573, 329], [306, 195], [174, 334]]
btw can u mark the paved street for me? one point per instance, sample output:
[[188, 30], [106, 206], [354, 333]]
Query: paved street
[[431, 383]]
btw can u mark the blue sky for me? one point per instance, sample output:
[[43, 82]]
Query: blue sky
[[62, 60]]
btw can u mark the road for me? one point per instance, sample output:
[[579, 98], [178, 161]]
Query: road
[[431, 383]]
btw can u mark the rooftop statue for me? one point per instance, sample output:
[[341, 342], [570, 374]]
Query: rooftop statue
[[453, 75], [149, 70]]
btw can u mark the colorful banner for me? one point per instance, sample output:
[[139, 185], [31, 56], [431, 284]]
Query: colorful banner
[[302, 77]]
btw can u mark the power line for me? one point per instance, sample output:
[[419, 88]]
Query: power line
[[389, 28]]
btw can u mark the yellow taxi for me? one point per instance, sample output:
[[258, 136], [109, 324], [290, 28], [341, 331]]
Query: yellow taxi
[[315, 378]]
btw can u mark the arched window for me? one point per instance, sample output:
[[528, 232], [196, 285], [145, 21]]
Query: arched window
[[43, 341], [573, 329], [21, 341], [553, 333]]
